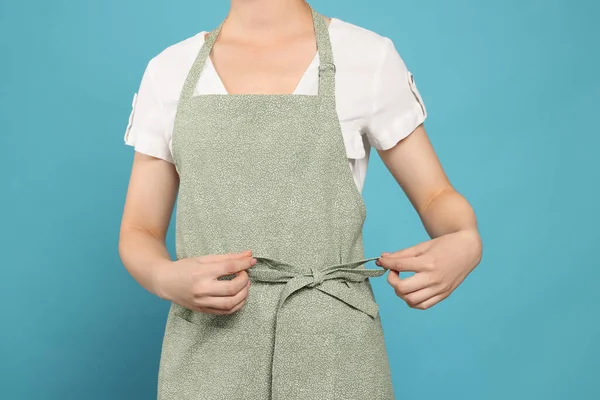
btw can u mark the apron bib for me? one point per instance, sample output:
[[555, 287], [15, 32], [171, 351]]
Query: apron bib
[[270, 173]]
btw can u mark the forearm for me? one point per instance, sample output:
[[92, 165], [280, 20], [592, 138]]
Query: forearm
[[448, 212], [144, 255]]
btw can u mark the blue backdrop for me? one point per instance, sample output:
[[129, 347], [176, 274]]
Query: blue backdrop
[[512, 91]]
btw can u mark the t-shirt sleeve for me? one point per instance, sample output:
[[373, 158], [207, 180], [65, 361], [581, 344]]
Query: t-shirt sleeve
[[397, 104], [146, 127]]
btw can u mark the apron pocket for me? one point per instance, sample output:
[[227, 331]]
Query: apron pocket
[[213, 359]]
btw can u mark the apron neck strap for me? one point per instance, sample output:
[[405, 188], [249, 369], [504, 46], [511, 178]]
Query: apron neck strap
[[326, 65]]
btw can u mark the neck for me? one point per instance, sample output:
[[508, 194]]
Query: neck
[[260, 18]]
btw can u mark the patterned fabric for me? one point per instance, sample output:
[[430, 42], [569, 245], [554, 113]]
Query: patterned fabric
[[270, 173]]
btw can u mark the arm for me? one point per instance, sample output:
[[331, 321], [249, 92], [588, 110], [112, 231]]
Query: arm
[[153, 186], [190, 282], [440, 264], [148, 207], [415, 166]]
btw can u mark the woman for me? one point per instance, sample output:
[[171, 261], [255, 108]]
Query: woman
[[270, 295]]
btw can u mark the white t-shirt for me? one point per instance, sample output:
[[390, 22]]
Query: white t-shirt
[[377, 101]]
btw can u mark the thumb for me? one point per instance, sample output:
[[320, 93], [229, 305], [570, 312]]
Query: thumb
[[413, 251], [222, 257]]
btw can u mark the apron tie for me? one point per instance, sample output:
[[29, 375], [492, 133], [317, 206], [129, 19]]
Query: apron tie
[[317, 276], [297, 278]]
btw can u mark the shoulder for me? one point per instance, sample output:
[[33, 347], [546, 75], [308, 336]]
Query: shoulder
[[376, 84], [176, 59], [359, 45]]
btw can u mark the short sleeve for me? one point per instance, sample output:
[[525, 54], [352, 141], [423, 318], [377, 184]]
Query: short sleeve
[[146, 127], [397, 104]]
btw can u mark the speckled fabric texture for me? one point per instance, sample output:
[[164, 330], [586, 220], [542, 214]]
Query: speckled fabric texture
[[270, 173]]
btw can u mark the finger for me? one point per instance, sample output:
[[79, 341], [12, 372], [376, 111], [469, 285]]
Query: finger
[[210, 310], [431, 301], [229, 267], [411, 284], [413, 251], [225, 303], [227, 306], [394, 279], [228, 287], [223, 257], [239, 305], [408, 264], [221, 312], [415, 298]]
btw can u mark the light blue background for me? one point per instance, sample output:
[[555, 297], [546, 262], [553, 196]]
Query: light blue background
[[512, 91]]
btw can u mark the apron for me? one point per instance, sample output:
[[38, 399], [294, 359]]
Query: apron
[[270, 173]]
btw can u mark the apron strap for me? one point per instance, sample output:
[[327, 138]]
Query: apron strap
[[326, 65], [194, 75]]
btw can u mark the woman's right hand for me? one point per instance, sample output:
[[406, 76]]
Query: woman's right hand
[[192, 282]]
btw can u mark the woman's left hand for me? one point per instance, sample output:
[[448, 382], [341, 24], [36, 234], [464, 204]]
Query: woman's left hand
[[440, 266]]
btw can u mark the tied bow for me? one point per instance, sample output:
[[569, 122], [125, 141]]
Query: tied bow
[[297, 278]]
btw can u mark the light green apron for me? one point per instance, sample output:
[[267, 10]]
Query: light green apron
[[270, 173]]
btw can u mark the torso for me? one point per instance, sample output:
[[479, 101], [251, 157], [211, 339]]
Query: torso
[[269, 173], [358, 55]]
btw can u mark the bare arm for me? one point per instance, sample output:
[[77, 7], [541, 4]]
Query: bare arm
[[442, 263], [417, 169], [191, 282], [148, 207]]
